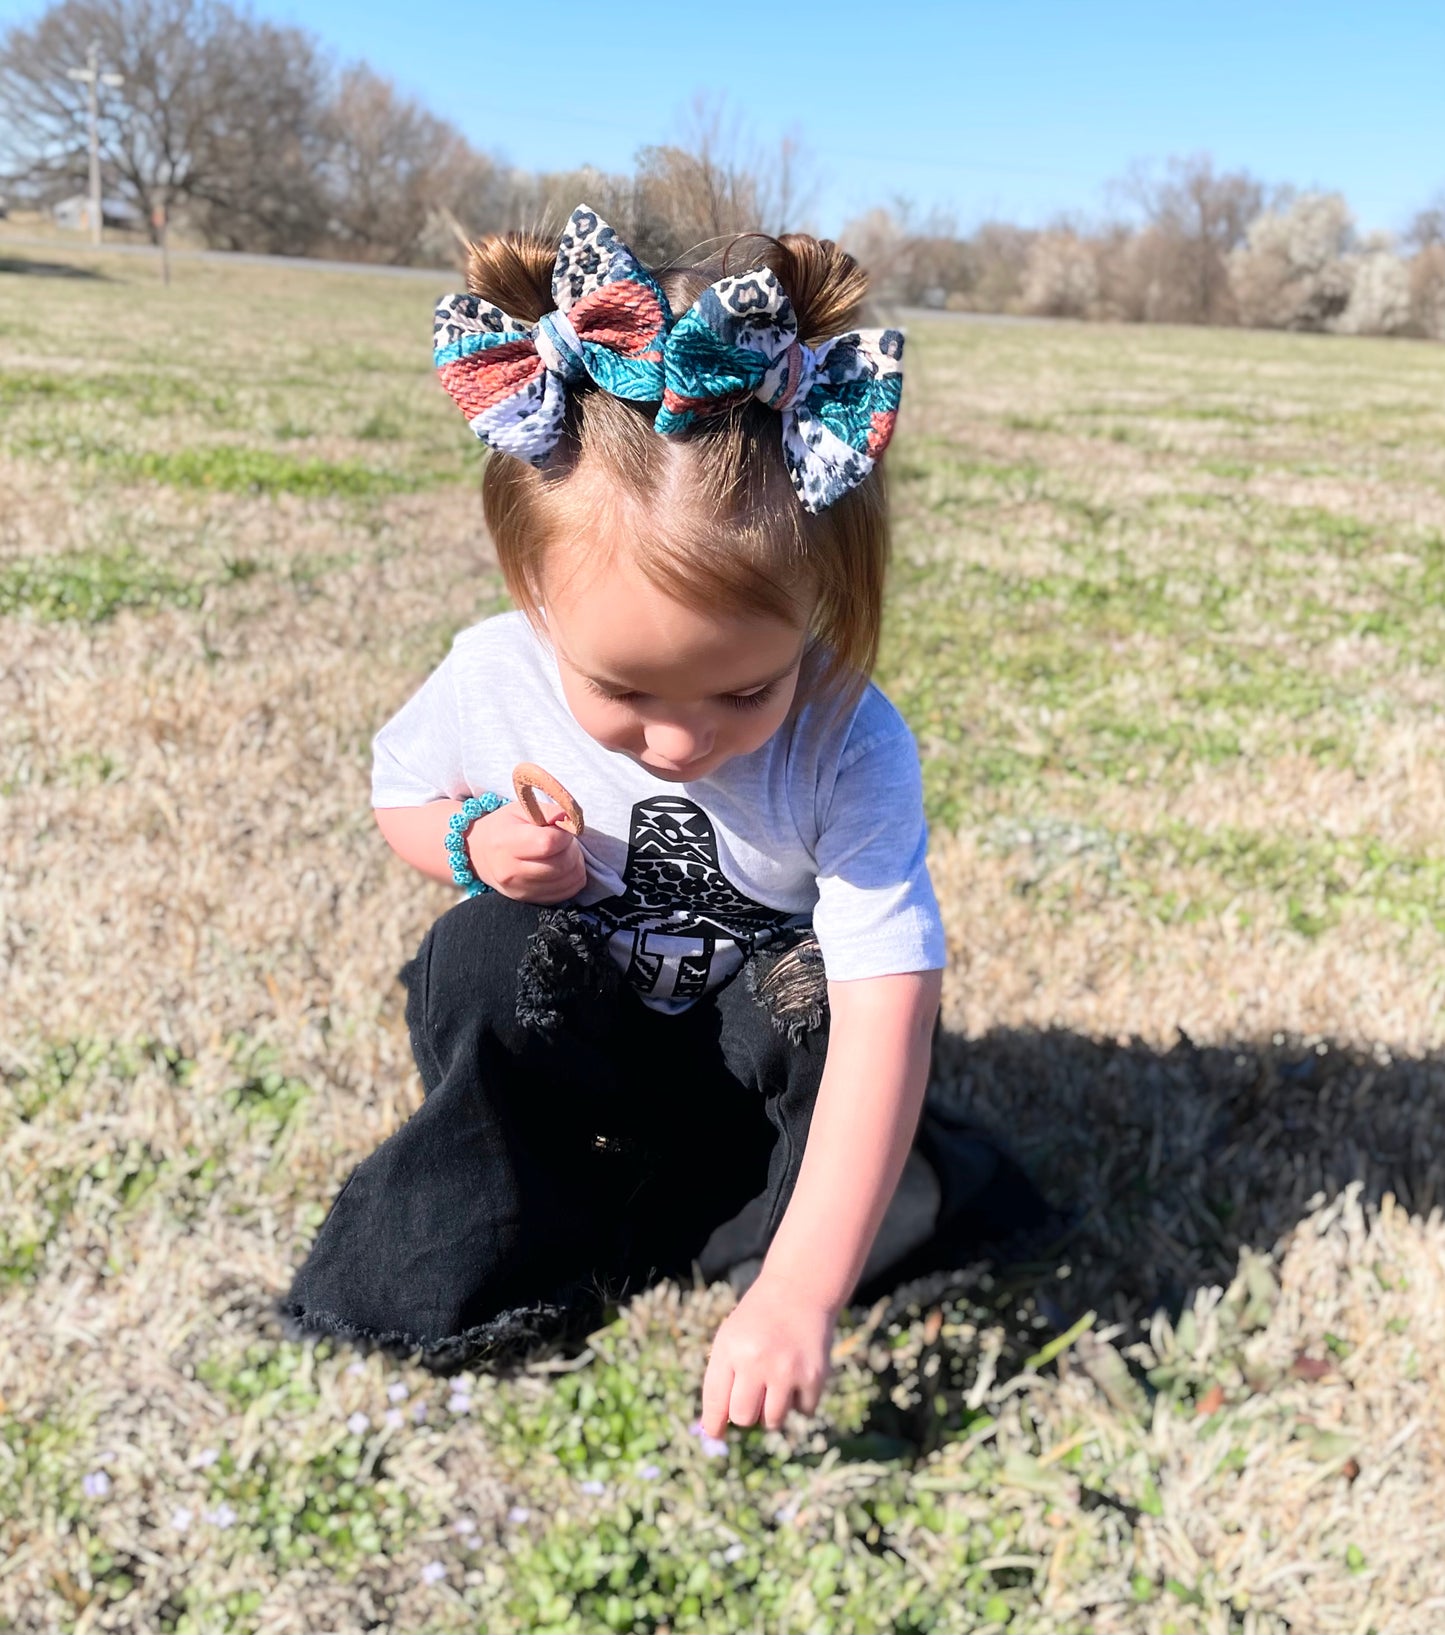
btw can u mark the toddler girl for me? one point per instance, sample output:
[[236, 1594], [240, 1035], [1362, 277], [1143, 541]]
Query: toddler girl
[[697, 1034]]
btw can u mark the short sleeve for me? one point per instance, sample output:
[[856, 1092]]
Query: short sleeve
[[417, 755], [876, 913]]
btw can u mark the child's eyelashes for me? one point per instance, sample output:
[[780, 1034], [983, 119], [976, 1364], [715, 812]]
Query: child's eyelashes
[[751, 701], [601, 692], [739, 701]]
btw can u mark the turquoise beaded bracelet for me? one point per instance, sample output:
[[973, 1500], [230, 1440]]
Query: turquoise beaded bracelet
[[456, 841]]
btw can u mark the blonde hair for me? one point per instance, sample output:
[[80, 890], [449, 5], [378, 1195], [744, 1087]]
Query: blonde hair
[[713, 520]]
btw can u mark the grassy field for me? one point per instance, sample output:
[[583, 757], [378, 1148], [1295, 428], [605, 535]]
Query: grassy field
[[1167, 619]]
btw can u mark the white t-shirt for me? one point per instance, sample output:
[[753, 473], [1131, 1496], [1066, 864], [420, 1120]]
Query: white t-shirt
[[823, 824]]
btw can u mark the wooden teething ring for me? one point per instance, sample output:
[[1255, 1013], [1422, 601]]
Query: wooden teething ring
[[527, 779]]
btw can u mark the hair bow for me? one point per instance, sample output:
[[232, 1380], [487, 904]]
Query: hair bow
[[511, 379], [838, 403]]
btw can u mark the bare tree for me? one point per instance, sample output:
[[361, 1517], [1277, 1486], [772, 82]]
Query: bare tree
[[392, 167], [218, 112], [542, 202], [787, 185], [1195, 217], [1427, 292], [699, 189], [1428, 227], [717, 180], [924, 260], [258, 109], [880, 240]]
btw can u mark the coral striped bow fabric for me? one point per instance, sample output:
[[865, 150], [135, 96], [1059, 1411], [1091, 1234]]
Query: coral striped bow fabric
[[838, 403], [511, 379]]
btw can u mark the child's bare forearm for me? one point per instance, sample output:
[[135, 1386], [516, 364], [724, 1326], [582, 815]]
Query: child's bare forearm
[[879, 1053], [529, 862], [418, 835]]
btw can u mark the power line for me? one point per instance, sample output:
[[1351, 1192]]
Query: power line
[[93, 79]]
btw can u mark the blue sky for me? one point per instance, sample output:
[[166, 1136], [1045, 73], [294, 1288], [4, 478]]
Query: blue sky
[[1020, 110]]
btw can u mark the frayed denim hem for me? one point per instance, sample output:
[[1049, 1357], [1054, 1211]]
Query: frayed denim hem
[[508, 1338], [791, 985], [565, 955]]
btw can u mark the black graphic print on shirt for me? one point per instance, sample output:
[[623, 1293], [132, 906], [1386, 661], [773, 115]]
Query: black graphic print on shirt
[[680, 927]]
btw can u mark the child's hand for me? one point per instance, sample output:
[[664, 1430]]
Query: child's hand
[[533, 863], [771, 1354]]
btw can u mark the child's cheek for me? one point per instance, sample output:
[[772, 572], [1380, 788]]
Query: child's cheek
[[612, 727]]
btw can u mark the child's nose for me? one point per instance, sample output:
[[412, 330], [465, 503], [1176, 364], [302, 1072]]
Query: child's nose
[[677, 743]]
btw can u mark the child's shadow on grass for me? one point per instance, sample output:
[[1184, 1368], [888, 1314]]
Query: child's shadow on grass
[[47, 269], [1172, 1161], [1179, 1158]]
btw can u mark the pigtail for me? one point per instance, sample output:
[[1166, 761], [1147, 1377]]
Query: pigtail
[[825, 284], [513, 271]]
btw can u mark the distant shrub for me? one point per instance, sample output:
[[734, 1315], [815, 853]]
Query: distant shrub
[[925, 262], [1294, 269], [1061, 278], [1000, 253], [1379, 295]]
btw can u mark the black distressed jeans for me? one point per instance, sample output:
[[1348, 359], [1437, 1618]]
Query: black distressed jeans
[[552, 1168]]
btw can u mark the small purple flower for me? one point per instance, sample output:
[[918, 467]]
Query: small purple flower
[[787, 1512], [464, 1525], [206, 1458], [221, 1516], [96, 1485], [397, 1392], [650, 1473], [734, 1552], [180, 1518], [357, 1369], [433, 1573], [518, 1514], [358, 1424], [418, 1411], [593, 1487], [395, 1419], [459, 1403], [713, 1447]]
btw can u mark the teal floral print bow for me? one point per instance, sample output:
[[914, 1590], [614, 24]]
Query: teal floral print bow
[[838, 403]]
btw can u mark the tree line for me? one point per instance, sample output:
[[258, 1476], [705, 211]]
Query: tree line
[[1187, 244], [249, 135]]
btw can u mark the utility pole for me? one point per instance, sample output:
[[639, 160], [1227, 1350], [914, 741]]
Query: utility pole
[[92, 77]]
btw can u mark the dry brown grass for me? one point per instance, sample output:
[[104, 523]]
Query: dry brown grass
[[200, 929]]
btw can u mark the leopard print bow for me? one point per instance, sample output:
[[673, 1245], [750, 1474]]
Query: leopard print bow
[[511, 379], [838, 403]]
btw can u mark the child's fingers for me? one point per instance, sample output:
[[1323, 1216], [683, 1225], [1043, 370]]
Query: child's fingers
[[746, 1401], [564, 867], [532, 841], [717, 1386], [776, 1405], [553, 887], [809, 1396]]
